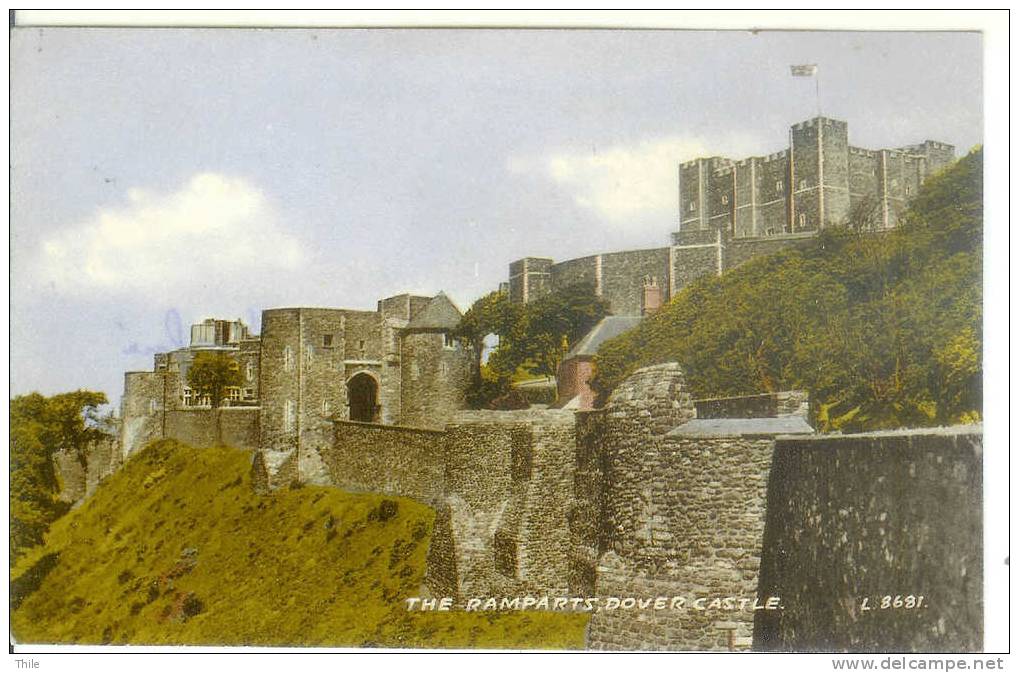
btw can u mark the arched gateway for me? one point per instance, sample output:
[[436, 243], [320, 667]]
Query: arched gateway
[[363, 398]]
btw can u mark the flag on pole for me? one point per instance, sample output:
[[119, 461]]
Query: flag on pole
[[808, 70]]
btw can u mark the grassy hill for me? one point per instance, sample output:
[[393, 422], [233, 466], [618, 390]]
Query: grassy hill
[[177, 549], [883, 329]]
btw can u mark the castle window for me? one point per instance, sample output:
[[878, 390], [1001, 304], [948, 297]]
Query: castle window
[[189, 398], [153, 406], [327, 340], [803, 220], [233, 393], [448, 341], [249, 393], [360, 344], [289, 416], [249, 371], [779, 186], [693, 206], [725, 200], [288, 359], [908, 190], [326, 407], [309, 354]]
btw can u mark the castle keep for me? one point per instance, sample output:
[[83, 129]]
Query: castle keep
[[655, 494], [733, 210]]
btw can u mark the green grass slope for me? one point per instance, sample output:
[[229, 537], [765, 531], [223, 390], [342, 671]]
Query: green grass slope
[[884, 330], [177, 549]]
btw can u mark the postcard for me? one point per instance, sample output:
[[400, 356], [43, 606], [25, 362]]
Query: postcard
[[569, 338]]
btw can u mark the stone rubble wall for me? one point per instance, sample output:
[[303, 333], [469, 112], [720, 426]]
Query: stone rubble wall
[[873, 515], [387, 459]]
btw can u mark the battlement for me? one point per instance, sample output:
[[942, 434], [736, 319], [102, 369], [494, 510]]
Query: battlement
[[816, 121], [859, 151]]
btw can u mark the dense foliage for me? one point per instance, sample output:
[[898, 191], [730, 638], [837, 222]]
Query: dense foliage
[[211, 373], [883, 329], [40, 426], [177, 548], [533, 338]]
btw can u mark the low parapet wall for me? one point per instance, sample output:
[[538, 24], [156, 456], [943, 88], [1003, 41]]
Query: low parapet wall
[[766, 405], [854, 519]]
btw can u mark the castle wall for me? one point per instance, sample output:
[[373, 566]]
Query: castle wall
[[622, 276], [587, 521], [71, 475], [820, 174], [736, 251], [835, 153], [864, 516], [278, 379], [307, 358], [229, 426], [774, 195], [670, 516], [77, 481], [248, 358], [509, 477], [196, 427], [747, 180], [386, 459], [141, 410], [434, 375], [584, 270], [238, 427], [530, 278], [692, 196], [765, 405], [691, 262], [721, 193]]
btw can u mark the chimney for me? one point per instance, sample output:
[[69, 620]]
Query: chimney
[[651, 299]]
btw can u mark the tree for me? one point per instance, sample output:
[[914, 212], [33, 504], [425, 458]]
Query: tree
[[553, 324], [493, 314], [211, 373], [40, 426]]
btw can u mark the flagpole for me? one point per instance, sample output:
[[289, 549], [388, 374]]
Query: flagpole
[[817, 91]]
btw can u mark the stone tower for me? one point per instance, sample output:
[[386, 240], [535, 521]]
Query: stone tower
[[819, 170], [434, 366]]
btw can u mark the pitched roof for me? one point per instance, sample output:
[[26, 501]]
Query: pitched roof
[[608, 327], [438, 314]]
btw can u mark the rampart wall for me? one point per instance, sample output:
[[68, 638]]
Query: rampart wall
[[858, 517], [387, 459]]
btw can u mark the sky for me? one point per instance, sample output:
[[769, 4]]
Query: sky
[[159, 177]]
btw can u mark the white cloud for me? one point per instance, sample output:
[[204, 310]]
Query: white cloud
[[627, 183], [216, 232]]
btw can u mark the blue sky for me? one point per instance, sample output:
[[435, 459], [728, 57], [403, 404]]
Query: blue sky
[[164, 176]]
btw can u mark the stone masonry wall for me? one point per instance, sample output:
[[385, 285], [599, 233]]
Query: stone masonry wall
[[142, 410], [622, 276], [386, 459], [766, 405], [865, 516], [509, 478], [681, 518]]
